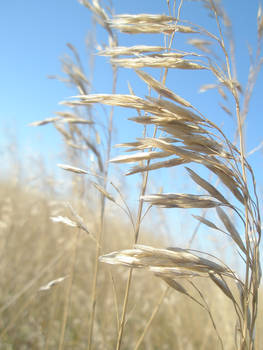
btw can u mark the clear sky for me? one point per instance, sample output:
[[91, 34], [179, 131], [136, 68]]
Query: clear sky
[[34, 36]]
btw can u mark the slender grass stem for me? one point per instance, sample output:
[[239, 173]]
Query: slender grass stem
[[136, 236], [154, 313], [68, 293], [102, 218]]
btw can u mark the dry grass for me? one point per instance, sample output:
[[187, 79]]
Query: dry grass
[[192, 138], [37, 251], [123, 310]]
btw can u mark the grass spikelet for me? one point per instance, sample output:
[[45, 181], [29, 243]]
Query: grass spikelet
[[72, 169], [171, 200], [157, 61], [157, 165], [207, 186], [222, 285], [174, 284], [174, 110], [147, 257], [52, 283], [139, 156], [207, 87], [63, 219], [206, 222], [173, 272], [45, 121], [103, 191], [130, 50], [200, 44], [76, 121], [128, 101], [231, 229], [226, 110], [228, 179], [161, 89], [148, 23], [142, 18], [66, 135]]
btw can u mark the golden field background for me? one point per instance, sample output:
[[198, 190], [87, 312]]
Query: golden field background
[[35, 251]]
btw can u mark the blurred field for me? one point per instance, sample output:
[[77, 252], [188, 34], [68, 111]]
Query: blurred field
[[35, 251]]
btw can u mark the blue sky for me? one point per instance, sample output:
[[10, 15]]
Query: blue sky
[[34, 35]]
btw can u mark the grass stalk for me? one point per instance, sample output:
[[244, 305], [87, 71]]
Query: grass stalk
[[182, 135], [154, 313], [246, 340], [128, 285], [102, 218], [68, 292], [139, 214]]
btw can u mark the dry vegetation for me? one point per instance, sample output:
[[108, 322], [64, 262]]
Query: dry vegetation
[[56, 293], [36, 251]]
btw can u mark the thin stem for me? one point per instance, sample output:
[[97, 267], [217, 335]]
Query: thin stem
[[124, 310], [136, 236], [246, 286], [102, 217], [244, 341], [127, 210], [68, 294], [115, 300], [154, 313], [139, 214], [206, 307]]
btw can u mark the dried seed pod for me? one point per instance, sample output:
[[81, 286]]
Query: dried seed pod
[[207, 186], [139, 157], [158, 165], [72, 169], [162, 89], [130, 50], [151, 258], [231, 229], [157, 61], [45, 121], [171, 200]]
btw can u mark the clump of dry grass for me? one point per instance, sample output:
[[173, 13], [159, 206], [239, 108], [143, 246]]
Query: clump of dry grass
[[184, 135], [83, 144], [33, 290]]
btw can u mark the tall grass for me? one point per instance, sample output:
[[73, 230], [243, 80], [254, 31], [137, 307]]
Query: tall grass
[[183, 135], [104, 308], [36, 251]]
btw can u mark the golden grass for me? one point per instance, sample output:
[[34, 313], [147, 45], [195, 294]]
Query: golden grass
[[115, 302], [37, 279]]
